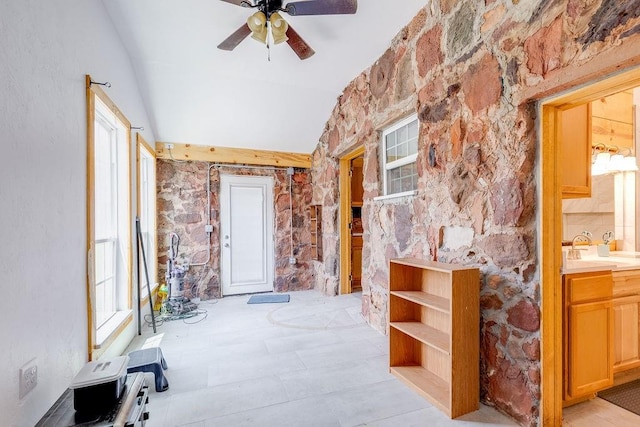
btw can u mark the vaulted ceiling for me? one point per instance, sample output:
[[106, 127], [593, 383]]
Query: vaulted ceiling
[[251, 97]]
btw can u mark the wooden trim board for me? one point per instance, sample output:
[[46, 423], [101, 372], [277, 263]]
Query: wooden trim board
[[551, 234], [230, 155]]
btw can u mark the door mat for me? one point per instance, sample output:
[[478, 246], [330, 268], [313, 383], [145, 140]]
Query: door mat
[[626, 396], [268, 298]]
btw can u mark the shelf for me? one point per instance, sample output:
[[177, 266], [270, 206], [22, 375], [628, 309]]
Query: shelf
[[429, 265], [424, 299], [425, 334], [315, 222], [420, 380], [434, 317]]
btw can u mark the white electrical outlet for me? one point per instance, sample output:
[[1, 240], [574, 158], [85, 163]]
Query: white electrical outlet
[[28, 377], [292, 260], [208, 228], [169, 146]]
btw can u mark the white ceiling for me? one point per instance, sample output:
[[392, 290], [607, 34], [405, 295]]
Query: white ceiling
[[198, 94]]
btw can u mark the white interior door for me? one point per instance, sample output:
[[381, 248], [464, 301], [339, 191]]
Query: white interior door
[[246, 222]]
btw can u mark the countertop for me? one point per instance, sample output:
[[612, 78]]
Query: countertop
[[617, 261]]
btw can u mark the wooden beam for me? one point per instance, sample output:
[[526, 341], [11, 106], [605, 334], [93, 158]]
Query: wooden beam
[[232, 155]]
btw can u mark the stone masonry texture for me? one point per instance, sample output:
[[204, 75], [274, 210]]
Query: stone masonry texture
[[466, 68], [182, 208]]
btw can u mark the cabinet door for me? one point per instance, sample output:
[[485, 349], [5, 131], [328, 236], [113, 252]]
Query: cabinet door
[[626, 352], [590, 348], [574, 134], [356, 263]]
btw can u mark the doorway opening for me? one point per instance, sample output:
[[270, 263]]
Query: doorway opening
[[553, 174], [351, 228]]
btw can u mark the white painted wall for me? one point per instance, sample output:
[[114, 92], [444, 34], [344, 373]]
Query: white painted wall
[[46, 48]]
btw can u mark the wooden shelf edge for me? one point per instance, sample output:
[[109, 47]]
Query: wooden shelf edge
[[432, 265], [425, 334], [428, 385], [425, 299]]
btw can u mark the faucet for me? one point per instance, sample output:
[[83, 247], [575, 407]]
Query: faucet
[[574, 253]]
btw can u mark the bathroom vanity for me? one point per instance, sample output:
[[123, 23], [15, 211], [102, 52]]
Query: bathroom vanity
[[601, 317]]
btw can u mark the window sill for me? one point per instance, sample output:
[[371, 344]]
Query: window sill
[[110, 330], [396, 195]]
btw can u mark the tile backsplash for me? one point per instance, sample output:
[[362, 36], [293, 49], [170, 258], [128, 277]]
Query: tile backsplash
[[595, 214]]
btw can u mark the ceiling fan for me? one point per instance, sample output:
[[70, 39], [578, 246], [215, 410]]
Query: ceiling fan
[[269, 13]]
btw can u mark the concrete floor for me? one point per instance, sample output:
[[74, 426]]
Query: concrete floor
[[310, 362]]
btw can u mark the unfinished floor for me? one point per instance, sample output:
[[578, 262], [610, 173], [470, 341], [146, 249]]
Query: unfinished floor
[[310, 362]]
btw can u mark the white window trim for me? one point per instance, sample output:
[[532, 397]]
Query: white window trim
[[396, 195], [396, 163]]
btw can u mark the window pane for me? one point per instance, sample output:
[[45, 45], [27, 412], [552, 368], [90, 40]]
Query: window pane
[[412, 146], [402, 150], [400, 145], [403, 134], [99, 263], [413, 129]]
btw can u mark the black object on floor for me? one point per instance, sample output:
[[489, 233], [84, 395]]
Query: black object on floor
[[149, 360], [268, 298], [626, 396]]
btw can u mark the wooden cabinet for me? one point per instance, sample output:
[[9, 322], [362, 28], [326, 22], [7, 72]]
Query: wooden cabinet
[[315, 224], [588, 334], [356, 181], [626, 309], [434, 317], [612, 120], [356, 263], [574, 136], [626, 316]]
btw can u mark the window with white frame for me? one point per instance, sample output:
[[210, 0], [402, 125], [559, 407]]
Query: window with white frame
[[147, 214], [399, 154], [109, 220]]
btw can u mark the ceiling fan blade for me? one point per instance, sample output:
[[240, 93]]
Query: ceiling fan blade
[[243, 3], [322, 7], [234, 39], [299, 46]]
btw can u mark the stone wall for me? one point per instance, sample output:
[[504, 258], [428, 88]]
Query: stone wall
[[182, 208], [468, 69]]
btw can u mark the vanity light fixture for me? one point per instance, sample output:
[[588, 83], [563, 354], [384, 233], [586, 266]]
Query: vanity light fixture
[[610, 160]]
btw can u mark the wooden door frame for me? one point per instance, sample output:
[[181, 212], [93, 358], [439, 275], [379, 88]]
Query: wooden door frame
[[345, 214], [550, 235]]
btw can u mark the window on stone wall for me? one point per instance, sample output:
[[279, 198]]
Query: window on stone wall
[[400, 151]]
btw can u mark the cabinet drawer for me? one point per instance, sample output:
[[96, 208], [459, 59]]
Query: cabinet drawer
[[626, 283], [585, 287]]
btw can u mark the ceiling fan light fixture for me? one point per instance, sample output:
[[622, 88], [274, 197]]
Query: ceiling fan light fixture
[[279, 28], [258, 25]]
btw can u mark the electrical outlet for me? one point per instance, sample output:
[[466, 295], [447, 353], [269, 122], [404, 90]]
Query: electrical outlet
[[208, 228], [292, 260], [28, 377], [169, 146]]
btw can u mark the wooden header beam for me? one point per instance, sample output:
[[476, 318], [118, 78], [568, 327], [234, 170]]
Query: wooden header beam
[[232, 155]]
